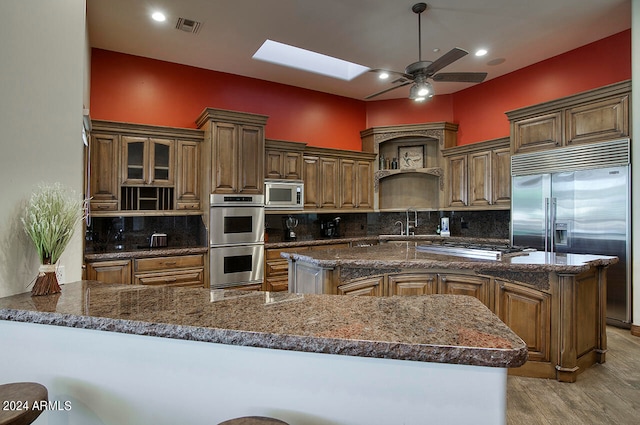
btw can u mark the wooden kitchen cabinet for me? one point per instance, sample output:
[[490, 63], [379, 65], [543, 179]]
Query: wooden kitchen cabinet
[[370, 286], [330, 182], [188, 175], [147, 161], [181, 270], [283, 159], [336, 179], [311, 177], [356, 190], [501, 176], [110, 271], [143, 169], [537, 133], [596, 115], [466, 284], [456, 181], [606, 119], [103, 172], [479, 175], [237, 150], [528, 313], [412, 284]]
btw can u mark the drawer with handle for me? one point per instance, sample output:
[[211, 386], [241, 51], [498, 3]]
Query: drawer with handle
[[168, 263], [179, 278]]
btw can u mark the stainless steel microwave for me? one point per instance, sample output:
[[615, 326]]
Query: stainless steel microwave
[[284, 194]]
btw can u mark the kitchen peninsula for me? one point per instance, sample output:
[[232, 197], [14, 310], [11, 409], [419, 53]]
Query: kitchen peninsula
[[555, 302], [189, 355]]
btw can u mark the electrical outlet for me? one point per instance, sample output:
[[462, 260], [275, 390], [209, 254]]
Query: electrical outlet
[[60, 274]]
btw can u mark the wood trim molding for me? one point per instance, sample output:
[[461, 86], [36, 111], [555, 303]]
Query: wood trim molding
[[127, 128], [284, 145], [503, 142], [233, 117], [635, 330], [338, 153]]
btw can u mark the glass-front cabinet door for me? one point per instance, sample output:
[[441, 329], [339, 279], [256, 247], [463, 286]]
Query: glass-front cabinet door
[[147, 161], [134, 154], [161, 162]]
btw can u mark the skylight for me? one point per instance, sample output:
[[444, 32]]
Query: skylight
[[306, 60]]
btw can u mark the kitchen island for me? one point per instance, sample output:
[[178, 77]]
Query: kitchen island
[[555, 302], [165, 355]]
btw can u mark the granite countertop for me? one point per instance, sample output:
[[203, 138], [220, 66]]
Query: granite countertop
[[144, 252], [454, 329], [381, 238], [404, 255]]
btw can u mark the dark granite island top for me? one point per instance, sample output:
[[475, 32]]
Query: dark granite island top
[[165, 355], [555, 302], [405, 255], [438, 328]]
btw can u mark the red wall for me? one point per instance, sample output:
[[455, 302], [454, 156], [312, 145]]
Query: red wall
[[146, 91], [135, 89], [480, 110]]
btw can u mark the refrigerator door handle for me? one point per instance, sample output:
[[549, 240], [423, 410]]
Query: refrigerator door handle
[[546, 224], [553, 205]]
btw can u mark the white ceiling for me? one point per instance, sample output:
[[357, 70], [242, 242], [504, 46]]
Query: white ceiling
[[373, 33]]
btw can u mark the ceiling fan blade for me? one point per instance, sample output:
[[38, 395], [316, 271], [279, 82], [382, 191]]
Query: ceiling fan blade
[[447, 59], [388, 90], [460, 77]]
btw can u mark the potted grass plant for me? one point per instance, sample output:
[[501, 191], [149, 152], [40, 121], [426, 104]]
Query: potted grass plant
[[50, 218]]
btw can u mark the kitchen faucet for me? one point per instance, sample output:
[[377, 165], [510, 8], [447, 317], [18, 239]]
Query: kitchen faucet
[[410, 228], [401, 227]]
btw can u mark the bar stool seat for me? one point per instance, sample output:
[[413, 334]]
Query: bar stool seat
[[253, 420], [17, 400]]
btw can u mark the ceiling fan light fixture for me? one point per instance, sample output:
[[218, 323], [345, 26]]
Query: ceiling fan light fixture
[[420, 91], [383, 75]]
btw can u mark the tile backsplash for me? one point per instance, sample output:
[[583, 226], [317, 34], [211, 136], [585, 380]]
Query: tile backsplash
[[481, 224], [108, 234]]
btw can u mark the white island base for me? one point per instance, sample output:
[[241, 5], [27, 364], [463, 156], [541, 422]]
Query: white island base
[[111, 378]]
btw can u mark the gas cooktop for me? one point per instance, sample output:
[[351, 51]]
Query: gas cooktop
[[475, 250]]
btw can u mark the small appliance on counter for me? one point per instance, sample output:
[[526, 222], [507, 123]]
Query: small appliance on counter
[[290, 224], [158, 240], [444, 227], [330, 228]]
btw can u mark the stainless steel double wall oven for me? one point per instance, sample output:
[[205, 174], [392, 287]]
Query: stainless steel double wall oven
[[236, 232]]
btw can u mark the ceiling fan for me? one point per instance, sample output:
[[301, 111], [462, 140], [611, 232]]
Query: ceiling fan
[[419, 72]]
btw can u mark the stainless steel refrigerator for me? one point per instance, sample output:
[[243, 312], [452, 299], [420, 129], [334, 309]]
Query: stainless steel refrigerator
[[577, 200]]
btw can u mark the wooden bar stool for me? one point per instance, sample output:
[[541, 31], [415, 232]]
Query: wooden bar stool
[[253, 420], [17, 401]]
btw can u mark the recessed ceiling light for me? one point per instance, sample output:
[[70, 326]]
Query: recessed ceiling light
[[306, 60], [481, 52], [158, 16], [383, 75]]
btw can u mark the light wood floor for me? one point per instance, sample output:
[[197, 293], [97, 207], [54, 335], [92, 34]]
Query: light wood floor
[[606, 393]]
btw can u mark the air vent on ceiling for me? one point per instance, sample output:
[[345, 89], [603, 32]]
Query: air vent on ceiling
[[188, 25]]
